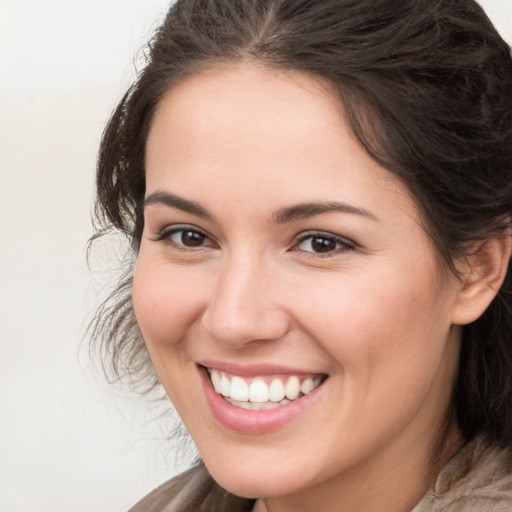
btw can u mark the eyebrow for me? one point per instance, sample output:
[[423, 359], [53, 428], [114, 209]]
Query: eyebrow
[[305, 210], [282, 216], [168, 199]]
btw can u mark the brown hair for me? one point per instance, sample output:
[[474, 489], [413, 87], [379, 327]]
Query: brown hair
[[436, 77]]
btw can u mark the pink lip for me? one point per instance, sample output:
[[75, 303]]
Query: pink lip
[[253, 422], [252, 370]]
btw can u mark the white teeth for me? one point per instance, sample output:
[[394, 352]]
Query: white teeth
[[258, 392], [276, 390], [307, 386], [292, 388], [239, 389], [216, 381], [225, 386], [256, 406]]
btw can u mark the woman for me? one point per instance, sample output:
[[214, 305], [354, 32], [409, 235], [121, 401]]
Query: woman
[[318, 198]]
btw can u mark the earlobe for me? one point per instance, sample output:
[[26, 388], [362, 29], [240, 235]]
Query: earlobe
[[481, 277]]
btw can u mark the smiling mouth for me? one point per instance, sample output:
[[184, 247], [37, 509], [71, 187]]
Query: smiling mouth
[[261, 393]]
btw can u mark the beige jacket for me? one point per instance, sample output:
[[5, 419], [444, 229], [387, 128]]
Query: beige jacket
[[476, 479]]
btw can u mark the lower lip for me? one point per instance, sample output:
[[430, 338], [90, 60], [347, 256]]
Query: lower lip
[[246, 421]]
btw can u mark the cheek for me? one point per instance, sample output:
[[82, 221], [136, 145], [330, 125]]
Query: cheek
[[387, 326], [166, 303], [388, 342]]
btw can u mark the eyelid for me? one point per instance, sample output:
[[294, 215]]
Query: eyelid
[[164, 235], [347, 244]]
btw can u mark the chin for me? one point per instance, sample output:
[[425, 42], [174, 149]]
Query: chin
[[249, 482]]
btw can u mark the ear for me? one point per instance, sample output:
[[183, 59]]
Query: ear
[[482, 274]]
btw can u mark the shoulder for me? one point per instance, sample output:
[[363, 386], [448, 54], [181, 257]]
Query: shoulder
[[192, 491], [477, 478]]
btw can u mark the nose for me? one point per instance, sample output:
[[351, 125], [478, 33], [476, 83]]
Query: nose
[[244, 307]]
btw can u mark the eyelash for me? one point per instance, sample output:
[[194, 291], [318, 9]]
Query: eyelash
[[166, 234], [341, 244]]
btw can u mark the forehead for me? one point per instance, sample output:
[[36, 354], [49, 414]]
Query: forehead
[[246, 130], [245, 104]]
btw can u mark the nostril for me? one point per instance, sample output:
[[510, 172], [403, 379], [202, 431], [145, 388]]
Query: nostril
[[243, 307], [238, 327]]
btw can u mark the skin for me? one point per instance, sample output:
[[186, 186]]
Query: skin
[[378, 314]]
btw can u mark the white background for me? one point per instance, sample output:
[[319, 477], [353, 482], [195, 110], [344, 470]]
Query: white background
[[68, 443]]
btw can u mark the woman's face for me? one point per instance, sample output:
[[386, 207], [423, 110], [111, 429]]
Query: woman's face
[[278, 258]]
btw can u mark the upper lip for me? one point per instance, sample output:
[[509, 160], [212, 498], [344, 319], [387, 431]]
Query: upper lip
[[253, 370]]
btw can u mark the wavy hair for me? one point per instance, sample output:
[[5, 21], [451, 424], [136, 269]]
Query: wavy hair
[[435, 79]]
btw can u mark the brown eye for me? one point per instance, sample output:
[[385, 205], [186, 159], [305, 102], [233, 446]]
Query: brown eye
[[191, 238], [322, 243], [185, 238]]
